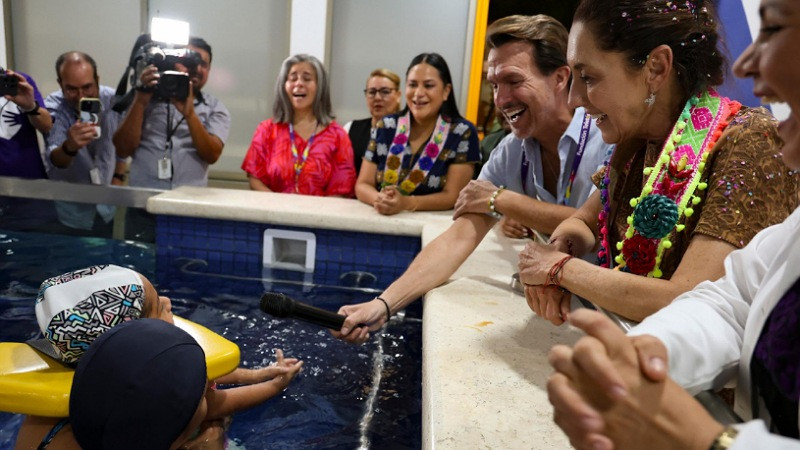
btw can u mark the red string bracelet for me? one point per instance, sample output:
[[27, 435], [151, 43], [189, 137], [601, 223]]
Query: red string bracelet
[[554, 276]]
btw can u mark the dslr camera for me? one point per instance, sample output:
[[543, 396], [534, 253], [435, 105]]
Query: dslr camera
[[9, 84], [172, 83]]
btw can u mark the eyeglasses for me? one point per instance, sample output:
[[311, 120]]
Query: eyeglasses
[[384, 92]]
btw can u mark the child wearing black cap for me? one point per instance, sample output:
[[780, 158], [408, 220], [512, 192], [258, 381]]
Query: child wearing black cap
[[72, 308]]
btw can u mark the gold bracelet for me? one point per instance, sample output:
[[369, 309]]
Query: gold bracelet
[[416, 202], [725, 439], [492, 210]]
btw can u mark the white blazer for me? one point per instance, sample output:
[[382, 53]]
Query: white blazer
[[711, 331]]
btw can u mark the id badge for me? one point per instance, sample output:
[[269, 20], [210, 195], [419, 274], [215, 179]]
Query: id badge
[[164, 169], [94, 175]]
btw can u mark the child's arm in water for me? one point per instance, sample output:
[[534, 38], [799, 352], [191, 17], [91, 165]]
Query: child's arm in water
[[224, 402], [251, 376]]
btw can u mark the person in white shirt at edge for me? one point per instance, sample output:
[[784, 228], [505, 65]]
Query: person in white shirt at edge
[[610, 391], [535, 178]]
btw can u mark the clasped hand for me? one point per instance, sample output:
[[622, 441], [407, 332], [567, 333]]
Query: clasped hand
[[547, 301], [390, 201]]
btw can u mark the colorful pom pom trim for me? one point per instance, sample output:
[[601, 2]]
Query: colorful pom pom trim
[[668, 194]]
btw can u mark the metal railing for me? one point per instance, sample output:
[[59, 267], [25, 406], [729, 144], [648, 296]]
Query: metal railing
[[72, 192]]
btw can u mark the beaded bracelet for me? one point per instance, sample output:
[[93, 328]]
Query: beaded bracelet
[[492, 211], [388, 311]]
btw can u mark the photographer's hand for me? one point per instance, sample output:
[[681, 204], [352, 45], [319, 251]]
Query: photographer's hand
[[147, 83], [186, 106], [26, 100], [78, 136]]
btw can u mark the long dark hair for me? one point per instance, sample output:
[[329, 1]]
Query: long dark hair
[[635, 27], [449, 107]]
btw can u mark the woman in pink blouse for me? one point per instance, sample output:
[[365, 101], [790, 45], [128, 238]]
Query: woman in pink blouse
[[301, 149]]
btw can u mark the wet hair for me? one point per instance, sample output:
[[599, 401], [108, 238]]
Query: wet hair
[[388, 74], [449, 107], [199, 42], [74, 56], [635, 27], [546, 34], [282, 110]]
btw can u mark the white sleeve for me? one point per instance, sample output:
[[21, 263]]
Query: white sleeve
[[703, 329], [754, 434], [347, 126]]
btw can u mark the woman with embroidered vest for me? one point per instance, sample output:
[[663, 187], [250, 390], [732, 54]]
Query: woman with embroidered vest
[[301, 149], [743, 326], [383, 98], [694, 175], [422, 157]]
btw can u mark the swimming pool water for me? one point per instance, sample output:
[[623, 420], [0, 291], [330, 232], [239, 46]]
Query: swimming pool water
[[322, 408]]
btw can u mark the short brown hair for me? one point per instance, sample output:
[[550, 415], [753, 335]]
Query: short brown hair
[[547, 36]]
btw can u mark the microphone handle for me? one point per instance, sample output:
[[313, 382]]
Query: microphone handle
[[317, 316]]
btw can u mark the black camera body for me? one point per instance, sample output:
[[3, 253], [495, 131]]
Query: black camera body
[[172, 83], [9, 84]]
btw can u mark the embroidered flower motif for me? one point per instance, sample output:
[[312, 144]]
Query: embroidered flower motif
[[460, 128], [684, 151], [655, 216], [425, 163], [701, 118], [463, 147], [416, 176], [432, 150], [390, 177], [393, 162], [388, 122], [380, 149], [640, 254], [433, 181], [397, 149], [408, 186], [400, 139]]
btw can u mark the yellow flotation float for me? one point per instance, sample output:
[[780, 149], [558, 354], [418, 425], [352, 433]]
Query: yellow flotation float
[[32, 383]]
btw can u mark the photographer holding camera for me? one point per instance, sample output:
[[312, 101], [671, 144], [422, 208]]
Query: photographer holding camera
[[79, 145], [21, 116], [172, 141]]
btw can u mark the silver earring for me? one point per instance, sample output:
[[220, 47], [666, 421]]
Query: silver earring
[[650, 100]]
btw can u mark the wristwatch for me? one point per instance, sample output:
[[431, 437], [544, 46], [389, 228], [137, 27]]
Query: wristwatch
[[35, 110], [725, 439]]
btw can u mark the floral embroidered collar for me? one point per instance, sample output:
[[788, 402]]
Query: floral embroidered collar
[[424, 163], [668, 194]]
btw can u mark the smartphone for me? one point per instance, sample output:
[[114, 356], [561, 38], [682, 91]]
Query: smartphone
[[89, 109], [89, 112]]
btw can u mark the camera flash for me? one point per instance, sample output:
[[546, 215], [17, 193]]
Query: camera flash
[[171, 31]]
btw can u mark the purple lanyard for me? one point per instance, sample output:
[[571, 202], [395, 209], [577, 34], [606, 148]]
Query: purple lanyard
[[587, 122]]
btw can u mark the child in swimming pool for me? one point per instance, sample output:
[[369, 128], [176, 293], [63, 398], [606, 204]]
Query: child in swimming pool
[[75, 309]]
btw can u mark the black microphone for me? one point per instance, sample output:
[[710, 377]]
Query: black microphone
[[281, 305]]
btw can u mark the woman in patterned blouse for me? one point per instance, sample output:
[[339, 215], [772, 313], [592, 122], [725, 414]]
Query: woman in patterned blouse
[[301, 149], [420, 158]]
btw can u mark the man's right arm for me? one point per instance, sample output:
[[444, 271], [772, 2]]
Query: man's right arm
[[432, 267]]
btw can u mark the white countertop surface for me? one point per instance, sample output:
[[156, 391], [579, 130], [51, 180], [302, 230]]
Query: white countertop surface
[[485, 357], [484, 351], [289, 209]]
